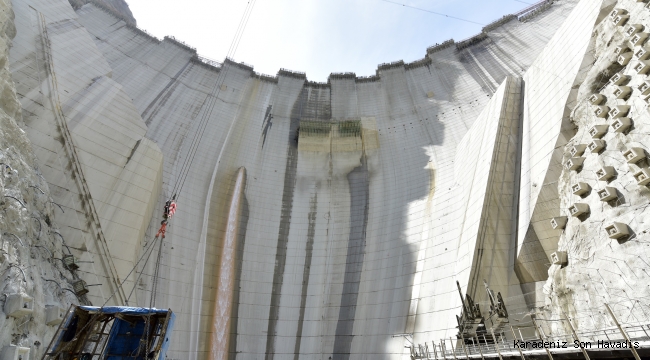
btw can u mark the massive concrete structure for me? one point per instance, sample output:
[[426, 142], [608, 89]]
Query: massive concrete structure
[[334, 220]]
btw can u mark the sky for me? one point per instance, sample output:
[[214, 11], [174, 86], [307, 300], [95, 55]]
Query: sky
[[319, 37]]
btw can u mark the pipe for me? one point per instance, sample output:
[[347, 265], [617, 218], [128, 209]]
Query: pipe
[[63, 242], [21, 271], [60, 207], [46, 249], [221, 322], [57, 284], [37, 188], [21, 203], [20, 241], [40, 227]]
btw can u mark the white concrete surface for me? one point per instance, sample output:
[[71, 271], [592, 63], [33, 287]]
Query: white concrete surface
[[365, 200]]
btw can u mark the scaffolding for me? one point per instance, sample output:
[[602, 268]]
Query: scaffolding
[[115, 333]]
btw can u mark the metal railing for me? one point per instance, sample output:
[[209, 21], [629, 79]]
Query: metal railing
[[567, 343]]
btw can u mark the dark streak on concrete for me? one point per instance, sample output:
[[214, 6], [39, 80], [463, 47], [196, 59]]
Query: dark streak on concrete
[[135, 148], [163, 96], [285, 224], [475, 72], [241, 239], [267, 123], [359, 199], [311, 231]]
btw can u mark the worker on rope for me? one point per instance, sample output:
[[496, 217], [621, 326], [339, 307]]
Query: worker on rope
[[168, 212], [170, 208]]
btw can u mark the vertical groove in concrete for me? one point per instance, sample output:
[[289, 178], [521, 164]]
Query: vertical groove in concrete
[[285, 224], [517, 192], [311, 231], [267, 123], [241, 240], [359, 199]]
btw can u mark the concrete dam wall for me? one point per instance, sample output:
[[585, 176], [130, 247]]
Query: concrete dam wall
[[334, 220]]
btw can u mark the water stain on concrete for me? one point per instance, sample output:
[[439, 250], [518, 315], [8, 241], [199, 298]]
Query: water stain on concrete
[[359, 199], [311, 231], [285, 224], [267, 123]]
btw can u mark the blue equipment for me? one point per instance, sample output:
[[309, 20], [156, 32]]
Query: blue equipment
[[112, 333]]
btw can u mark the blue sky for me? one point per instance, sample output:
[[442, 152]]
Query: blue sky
[[318, 36]]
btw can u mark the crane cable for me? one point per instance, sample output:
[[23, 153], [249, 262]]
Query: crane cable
[[210, 101], [180, 181]]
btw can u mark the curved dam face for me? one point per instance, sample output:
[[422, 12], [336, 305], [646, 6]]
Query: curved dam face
[[316, 220]]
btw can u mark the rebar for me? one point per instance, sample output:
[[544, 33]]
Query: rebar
[[21, 271], [37, 188], [40, 227], [46, 249], [21, 203], [60, 207], [14, 235]]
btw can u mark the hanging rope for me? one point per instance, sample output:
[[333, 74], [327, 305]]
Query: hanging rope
[[211, 101]]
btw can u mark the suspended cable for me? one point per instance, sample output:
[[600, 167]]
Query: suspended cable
[[211, 101], [435, 13]]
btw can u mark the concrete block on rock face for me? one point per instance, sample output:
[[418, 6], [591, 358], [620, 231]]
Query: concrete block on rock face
[[641, 53], [619, 110], [617, 230], [54, 314], [621, 124], [601, 111], [559, 258], [70, 262], [18, 305], [559, 222], [596, 145], [622, 92], [13, 352], [642, 66], [578, 209], [632, 29], [598, 131], [624, 59], [620, 50], [580, 188], [605, 173], [577, 150], [638, 39], [574, 163], [620, 20], [642, 177], [618, 79], [616, 12], [634, 155], [607, 194], [596, 99], [80, 287], [644, 87]]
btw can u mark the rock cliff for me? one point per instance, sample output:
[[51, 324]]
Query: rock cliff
[[31, 245], [119, 7]]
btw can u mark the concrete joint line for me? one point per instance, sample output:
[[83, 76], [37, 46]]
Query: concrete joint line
[[79, 177]]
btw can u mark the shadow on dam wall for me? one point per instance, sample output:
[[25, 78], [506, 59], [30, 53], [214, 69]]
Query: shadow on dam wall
[[380, 209]]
